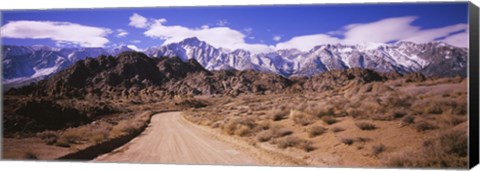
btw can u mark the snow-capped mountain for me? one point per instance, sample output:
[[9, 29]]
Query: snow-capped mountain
[[403, 57], [23, 64]]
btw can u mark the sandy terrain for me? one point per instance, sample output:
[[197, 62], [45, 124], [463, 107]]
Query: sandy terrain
[[31, 148], [170, 139]]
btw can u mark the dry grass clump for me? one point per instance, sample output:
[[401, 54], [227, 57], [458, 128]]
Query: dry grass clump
[[433, 109], [279, 131], [264, 136], [315, 130], [296, 142], [100, 131], [189, 102], [30, 155], [318, 111], [450, 149], [453, 120], [275, 131], [337, 129], [130, 126], [239, 126], [348, 141], [302, 118], [408, 119], [424, 126], [92, 133], [278, 114], [365, 126], [49, 137], [329, 120], [377, 149]]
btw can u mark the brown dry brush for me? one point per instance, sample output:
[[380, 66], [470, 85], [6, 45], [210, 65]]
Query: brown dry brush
[[448, 150]]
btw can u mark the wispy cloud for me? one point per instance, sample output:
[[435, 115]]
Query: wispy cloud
[[138, 21], [216, 36], [136, 41], [121, 33], [60, 32], [382, 31], [460, 39], [222, 23], [307, 42], [277, 38]]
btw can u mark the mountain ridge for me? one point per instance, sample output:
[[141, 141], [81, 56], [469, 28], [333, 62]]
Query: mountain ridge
[[23, 64]]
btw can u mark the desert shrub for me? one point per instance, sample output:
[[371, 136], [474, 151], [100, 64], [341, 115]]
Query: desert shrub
[[459, 107], [408, 119], [362, 139], [49, 137], [452, 142], [377, 149], [74, 135], [279, 131], [189, 102], [450, 149], [337, 129], [398, 114], [263, 125], [454, 119], [242, 130], [124, 127], [365, 126], [264, 135], [424, 126], [293, 141], [278, 114], [302, 118], [347, 141], [354, 112], [433, 108], [239, 126], [30, 155], [329, 120], [315, 130], [326, 111], [216, 124]]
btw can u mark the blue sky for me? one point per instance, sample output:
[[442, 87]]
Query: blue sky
[[256, 28]]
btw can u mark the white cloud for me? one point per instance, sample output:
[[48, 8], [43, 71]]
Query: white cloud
[[277, 38], [63, 33], [222, 23], [432, 34], [136, 41], [382, 31], [138, 21], [459, 39], [385, 30], [248, 30], [121, 33], [305, 43], [216, 36]]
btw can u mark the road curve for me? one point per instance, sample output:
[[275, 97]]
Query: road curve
[[170, 139]]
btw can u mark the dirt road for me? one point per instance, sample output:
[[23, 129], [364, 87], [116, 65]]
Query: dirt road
[[170, 139]]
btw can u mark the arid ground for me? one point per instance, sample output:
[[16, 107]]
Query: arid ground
[[119, 109]]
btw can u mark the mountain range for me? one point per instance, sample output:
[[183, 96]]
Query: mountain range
[[25, 64]]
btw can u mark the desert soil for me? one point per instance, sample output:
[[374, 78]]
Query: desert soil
[[170, 139]]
